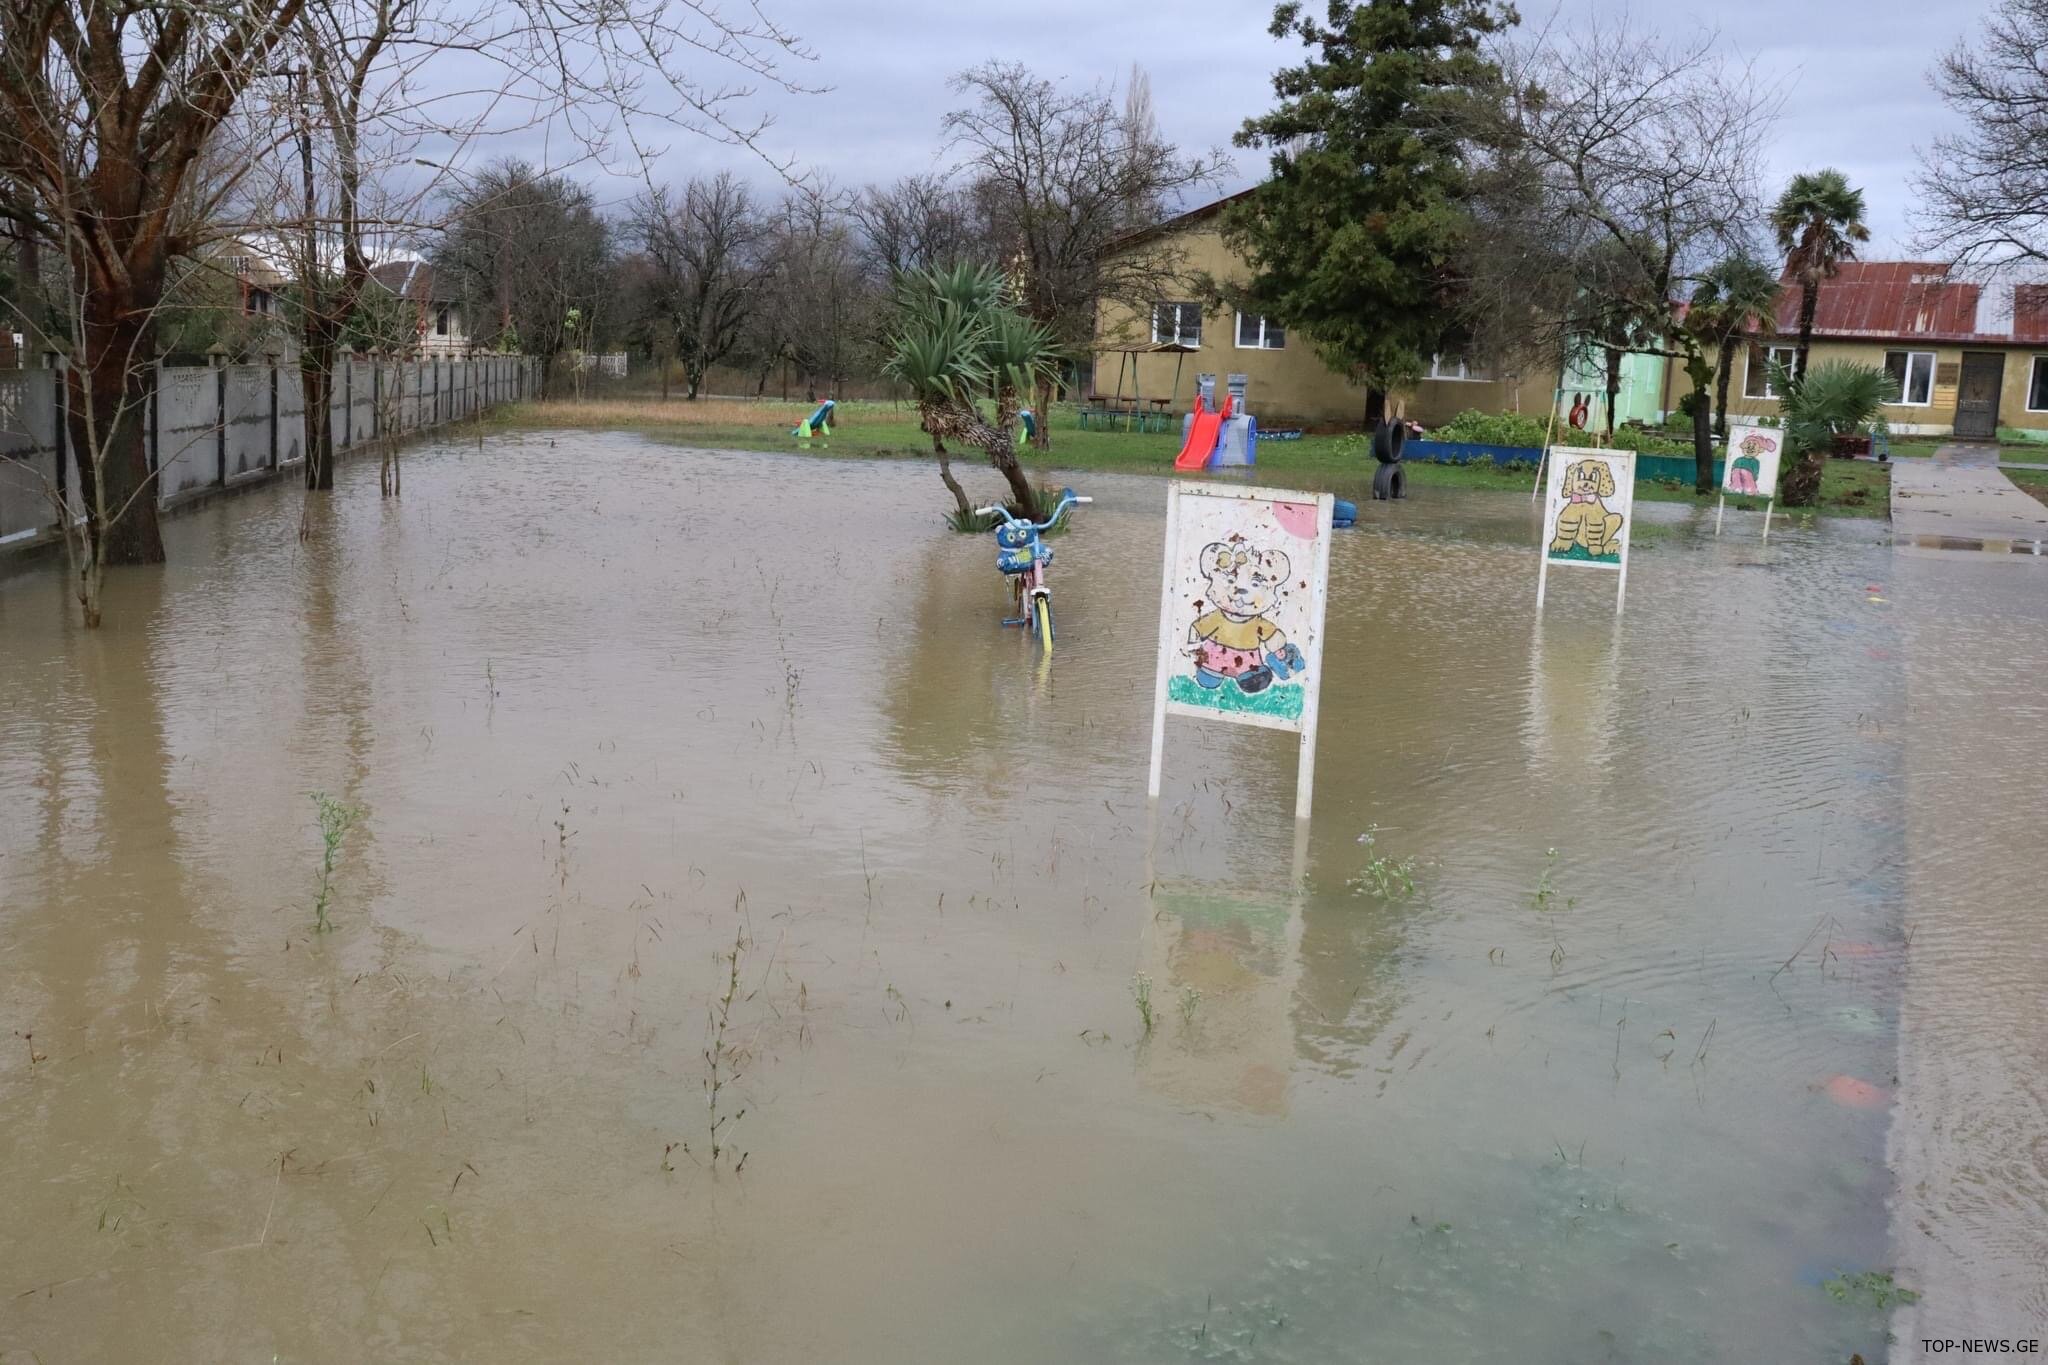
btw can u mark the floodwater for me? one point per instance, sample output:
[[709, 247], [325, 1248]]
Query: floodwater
[[617, 712]]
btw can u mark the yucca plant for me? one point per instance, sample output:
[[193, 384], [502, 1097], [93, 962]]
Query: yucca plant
[[1835, 397], [956, 345]]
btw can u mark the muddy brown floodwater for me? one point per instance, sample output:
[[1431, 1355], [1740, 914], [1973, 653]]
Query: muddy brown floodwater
[[613, 709]]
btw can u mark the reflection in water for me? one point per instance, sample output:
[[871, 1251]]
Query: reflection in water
[[1574, 694], [614, 707]]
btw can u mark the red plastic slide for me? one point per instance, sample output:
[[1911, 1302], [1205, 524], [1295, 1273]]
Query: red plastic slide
[[1201, 442]]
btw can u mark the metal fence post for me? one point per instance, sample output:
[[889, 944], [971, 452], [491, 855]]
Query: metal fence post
[[220, 427]]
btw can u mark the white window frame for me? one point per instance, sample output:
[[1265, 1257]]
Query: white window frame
[[1458, 372], [1180, 309], [1791, 354], [1906, 381], [2032, 370], [1237, 334]]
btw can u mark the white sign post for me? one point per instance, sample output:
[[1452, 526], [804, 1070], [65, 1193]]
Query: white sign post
[[1241, 614], [1751, 469], [1588, 514]]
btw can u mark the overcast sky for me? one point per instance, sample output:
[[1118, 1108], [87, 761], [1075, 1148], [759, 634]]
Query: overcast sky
[[1854, 73]]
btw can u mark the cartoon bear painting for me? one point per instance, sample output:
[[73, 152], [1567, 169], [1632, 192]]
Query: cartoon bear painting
[[1233, 640], [1585, 528]]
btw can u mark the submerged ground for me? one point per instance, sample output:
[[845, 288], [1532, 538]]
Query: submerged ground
[[686, 770]]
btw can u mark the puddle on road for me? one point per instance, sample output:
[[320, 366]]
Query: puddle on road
[[611, 706]]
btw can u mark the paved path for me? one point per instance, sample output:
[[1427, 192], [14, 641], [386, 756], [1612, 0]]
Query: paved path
[[1958, 494]]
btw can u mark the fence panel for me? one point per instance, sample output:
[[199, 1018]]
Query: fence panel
[[291, 416], [248, 421], [28, 452], [187, 429]]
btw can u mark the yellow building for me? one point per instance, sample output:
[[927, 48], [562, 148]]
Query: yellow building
[[1157, 355], [1968, 357]]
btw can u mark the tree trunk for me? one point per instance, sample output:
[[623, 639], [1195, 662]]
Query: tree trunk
[[1702, 423], [946, 476], [1799, 477], [1721, 387], [1613, 387], [693, 379], [1042, 426], [1809, 301], [316, 379], [1375, 408], [107, 401], [1003, 455]]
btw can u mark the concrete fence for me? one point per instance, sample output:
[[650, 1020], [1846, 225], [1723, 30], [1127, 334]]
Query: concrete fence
[[223, 426]]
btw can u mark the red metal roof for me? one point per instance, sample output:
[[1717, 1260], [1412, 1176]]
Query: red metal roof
[[1918, 301]]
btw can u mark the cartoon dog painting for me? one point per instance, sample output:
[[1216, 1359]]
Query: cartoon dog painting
[[1584, 525], [1232, 640]]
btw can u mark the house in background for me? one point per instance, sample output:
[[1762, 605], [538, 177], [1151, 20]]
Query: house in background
[[1968, 357], [438, 313], [1158, 356]]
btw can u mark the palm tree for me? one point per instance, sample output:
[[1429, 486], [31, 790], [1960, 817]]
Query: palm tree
[[1819, 221], [1736, 292], [957, 344]]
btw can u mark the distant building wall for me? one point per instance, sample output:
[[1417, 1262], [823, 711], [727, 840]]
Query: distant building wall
[[1287, 384]]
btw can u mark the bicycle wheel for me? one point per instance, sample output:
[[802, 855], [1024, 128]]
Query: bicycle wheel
[[1042, 609]]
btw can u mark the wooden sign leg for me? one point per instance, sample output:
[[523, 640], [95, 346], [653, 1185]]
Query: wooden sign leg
[[1767, 517], [1720, 506]]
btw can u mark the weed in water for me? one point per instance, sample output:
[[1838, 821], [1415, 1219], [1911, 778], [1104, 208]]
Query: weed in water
[[1141, 995], [721, 1056], [1546, 891], [1878, 1289], [336, 819], [1390, 879], [1190, 999]]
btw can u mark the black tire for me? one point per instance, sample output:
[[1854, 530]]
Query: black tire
[[1388, 440], [1389, 481]]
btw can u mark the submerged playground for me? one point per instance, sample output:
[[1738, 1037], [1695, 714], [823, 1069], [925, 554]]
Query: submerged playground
[[1611, 980]]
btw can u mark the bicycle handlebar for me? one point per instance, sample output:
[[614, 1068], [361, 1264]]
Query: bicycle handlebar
[[1068, 498]]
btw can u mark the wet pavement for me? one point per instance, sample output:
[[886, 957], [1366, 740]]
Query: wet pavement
[[1723, 916], [1958, 496]]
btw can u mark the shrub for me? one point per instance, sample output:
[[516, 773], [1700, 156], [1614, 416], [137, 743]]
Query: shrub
[[1471, 427], [1649, 443]]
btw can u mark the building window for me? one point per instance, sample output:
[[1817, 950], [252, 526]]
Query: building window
[[1177, 324], [1455, 367], [259, 302], [2037, 385], [441, 321], [1913, 371], [1758, 378], [1255, 333]]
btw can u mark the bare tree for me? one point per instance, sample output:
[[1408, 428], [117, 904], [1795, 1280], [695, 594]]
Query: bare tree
[[917, 223], [105, 109], [826, 310], [704, 245], [1983, 192], [1617, 185], [524, 250], [1061, 175]]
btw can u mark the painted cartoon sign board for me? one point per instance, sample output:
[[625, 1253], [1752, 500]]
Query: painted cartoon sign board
[[1751, 468], [1241, 613], [1588, 513]]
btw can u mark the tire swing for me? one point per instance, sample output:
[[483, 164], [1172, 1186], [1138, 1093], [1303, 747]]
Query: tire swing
[[1390, 480]]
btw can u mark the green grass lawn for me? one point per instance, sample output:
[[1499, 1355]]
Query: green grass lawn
[[2033, 481], [864, 430]]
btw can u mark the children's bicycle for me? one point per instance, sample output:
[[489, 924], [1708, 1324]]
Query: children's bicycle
[[1023, 557]]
